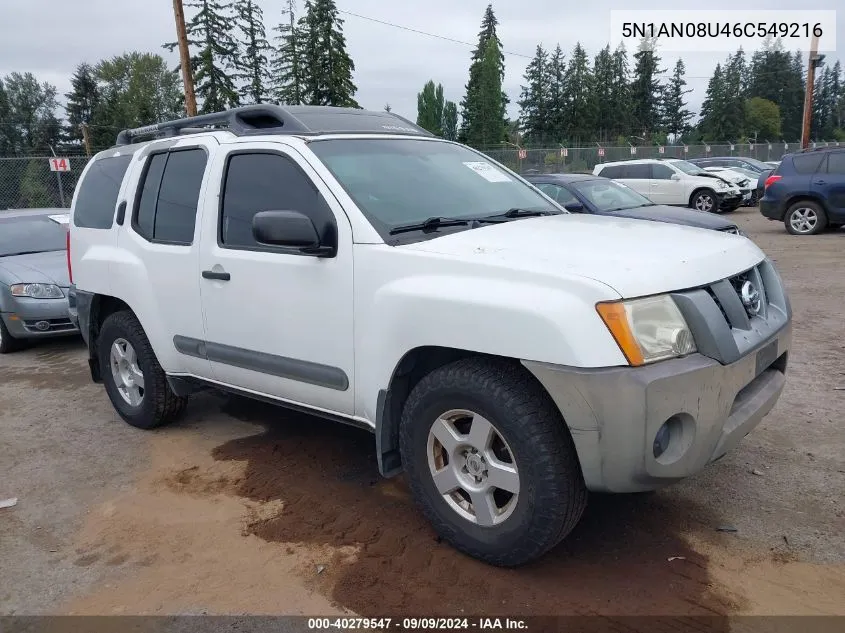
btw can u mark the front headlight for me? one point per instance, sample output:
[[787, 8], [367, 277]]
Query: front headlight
[[721, 185], [37, 291], [648, 330]]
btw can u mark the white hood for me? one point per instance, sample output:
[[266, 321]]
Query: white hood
[[634, 257]]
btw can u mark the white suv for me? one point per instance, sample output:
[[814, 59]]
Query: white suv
[[674, 182], [507, 355]]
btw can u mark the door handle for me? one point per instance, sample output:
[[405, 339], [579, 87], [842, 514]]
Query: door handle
[[213, 274], [820, 182]]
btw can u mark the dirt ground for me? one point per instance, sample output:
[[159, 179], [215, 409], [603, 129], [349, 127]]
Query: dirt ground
[[244, 508]]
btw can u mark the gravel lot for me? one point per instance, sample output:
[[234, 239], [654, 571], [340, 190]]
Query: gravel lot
[[243, 508]]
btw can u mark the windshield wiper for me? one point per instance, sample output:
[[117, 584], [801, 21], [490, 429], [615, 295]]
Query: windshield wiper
[[429, 224], [512, 214]]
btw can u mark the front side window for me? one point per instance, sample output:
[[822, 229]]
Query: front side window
[[559, 194], [266, 182], [661, 172], [398, 182]]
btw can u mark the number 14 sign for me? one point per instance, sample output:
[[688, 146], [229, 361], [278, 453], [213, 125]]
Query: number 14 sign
[[59, 164]]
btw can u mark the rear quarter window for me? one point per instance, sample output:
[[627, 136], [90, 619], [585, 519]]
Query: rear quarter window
[[807, 163], [98, 191]]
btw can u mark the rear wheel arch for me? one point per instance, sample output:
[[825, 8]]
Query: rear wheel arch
[[102, 306]]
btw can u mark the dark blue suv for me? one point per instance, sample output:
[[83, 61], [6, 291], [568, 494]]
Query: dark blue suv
[[807, 191]]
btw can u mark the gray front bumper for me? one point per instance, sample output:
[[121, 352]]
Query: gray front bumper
[[713, 398], [26, 313]]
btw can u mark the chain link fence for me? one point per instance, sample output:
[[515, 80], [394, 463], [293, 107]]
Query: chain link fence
[[28, 182], [584, 159]]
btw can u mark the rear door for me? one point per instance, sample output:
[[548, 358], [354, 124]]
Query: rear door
[[829, 183], [638, 177], [662, 188]]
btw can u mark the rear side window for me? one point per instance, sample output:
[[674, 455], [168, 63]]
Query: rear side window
[[265, 182], [98, 192], [167, 206], [611, 171], [807, 163], [836, 163], [638, 172]]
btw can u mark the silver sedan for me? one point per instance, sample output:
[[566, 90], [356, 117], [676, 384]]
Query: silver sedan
[[33, 276]]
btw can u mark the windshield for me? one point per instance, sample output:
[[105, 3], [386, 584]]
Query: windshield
[[31, 234], [609, 195], [759, 164], [688, 168], [397, 182]]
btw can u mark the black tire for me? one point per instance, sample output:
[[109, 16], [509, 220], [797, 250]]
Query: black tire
[[698, 198], [816, 219], [552, 496], [159, 405], [8, 343]]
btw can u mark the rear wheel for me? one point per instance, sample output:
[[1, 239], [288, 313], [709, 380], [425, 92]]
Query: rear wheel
[[704, 200], [805, 218], [490, 461], [135, 382]]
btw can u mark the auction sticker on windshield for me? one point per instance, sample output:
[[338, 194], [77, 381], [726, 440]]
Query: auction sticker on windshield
[[487, 171]]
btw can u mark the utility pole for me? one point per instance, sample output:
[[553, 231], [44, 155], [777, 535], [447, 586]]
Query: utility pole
[[86, 139], [814, 62], [185, 58]]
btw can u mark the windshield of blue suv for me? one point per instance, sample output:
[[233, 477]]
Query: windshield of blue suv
[[31, 234], [399, 182]]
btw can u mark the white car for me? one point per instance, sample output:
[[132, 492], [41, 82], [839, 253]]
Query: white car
[[674, 182], [508, 356], [747, 185]]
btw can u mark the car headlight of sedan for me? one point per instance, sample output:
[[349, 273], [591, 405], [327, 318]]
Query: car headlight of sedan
[[648, 330], [721, 185], [37, 291]]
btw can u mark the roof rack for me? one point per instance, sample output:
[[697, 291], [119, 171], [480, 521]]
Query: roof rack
[[274, 119]]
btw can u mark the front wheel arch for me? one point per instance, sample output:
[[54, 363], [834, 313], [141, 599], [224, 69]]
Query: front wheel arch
[[701, 190]]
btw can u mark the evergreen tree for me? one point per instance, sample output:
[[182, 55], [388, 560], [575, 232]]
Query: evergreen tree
[[327, 67], [450, 121], [471, 104], [776, 75], [83, 102], [620, 94], [733, 113], [216, 59], [430, 104], [676, 117], [712, 107], [534, 118], [603, 75], [579, 97], [287, 65], [5, 122], [838, 90], [645, 89], [488, 125], [30, 125], [557, 95], [253, 63]]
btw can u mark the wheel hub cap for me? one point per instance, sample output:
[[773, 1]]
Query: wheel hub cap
[[127, 375], [473, 467]]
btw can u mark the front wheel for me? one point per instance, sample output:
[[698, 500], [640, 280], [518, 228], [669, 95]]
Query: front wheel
[[704, 200], [805, 218], [135, 382], [7, 342], [490, 461]]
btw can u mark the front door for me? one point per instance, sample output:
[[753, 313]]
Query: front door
[[664, 190], [278, 322]]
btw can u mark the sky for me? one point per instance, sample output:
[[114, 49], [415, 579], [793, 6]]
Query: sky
[[50, 37]]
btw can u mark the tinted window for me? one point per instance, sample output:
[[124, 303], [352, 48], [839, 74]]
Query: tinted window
[[179, 195], [167, 207], [145, 217], [807, 163], [31, 234], [265, 182], [638, 171], [612, 171], [836, 163], [609, 195], [98, 192], [661, 172]]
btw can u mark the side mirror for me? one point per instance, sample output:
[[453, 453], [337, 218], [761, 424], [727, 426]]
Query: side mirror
[[574, 207], [289, 228], [675, 177]]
